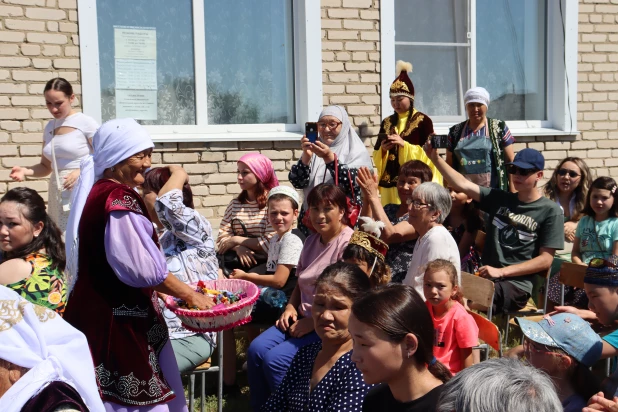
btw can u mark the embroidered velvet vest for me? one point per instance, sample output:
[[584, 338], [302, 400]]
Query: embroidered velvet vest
[[123, 324]]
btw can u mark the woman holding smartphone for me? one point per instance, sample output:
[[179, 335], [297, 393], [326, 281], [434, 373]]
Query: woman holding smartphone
[[338, 140], [401, 137]]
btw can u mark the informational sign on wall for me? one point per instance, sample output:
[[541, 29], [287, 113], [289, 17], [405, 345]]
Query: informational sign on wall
[[136, 72]]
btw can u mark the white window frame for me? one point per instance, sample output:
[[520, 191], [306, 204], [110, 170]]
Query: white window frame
[[307, 78], [561, 65]]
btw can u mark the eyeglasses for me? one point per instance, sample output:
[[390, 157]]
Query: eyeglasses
[[417, 204], [331, 125], [533, 347], [572, 174], [514, 170]]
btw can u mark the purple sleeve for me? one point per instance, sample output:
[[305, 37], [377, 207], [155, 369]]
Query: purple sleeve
[[134, 257]]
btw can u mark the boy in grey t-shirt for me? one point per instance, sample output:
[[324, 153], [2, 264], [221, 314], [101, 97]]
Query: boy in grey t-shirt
[[524, 228]]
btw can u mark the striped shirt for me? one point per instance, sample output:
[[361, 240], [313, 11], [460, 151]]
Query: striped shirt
[[255, 220]]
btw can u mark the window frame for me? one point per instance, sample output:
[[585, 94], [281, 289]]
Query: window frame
[[561, 65], [306, 20]]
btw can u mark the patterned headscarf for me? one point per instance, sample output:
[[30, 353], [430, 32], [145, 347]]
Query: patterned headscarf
[[262, 168]]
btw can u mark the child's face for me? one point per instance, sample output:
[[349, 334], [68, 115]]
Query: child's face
[[601, 201], [541, 358], [406, 185], [459, 198], [361, 264], [438, 287], [281, 215], [603, 301]]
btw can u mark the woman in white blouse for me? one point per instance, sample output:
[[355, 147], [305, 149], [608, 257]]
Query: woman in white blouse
[[67, 139]]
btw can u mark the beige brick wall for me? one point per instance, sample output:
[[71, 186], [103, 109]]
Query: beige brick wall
[[38, 40]]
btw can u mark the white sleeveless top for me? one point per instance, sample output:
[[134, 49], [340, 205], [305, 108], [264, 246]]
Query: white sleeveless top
[[71, 147]]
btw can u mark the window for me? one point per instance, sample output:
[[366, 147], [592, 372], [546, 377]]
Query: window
[[202, 69], [513, 48]]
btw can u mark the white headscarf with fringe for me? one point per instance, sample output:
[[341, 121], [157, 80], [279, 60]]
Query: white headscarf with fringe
[[38, 339], [115, 141], [348, 147]]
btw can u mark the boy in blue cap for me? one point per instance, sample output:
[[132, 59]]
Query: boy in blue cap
[[564, 346], [524, 229]]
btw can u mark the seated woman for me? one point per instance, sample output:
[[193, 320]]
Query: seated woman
[[463, 222], [367, 251], [430, 205], [270, 354], [186, 239], [45, 363], [568, 187], [322, 376], [398, 233], [33, 250], [393, 346]]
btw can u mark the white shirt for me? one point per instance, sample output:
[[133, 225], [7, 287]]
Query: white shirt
[[437, 243], [72, 147], [283, 252]]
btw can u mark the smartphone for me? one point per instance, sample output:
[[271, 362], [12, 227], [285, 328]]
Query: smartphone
[[439, 141], [311, 131], [382, 137]]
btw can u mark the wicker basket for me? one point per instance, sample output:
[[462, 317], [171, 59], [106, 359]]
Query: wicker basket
[[219, 319]]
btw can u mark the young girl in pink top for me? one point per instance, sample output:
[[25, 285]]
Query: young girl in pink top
[[455, 332]]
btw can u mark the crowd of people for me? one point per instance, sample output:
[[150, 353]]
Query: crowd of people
[[361, 304]]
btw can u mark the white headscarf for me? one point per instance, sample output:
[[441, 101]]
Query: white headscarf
[[477, 95], [348, 147], [115, 141], [37, 338]]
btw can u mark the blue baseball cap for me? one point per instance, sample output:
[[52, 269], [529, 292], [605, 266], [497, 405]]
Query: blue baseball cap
[[529, 159], [568, 332]]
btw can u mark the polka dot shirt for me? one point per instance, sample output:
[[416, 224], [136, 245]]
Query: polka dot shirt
[[341, 389]]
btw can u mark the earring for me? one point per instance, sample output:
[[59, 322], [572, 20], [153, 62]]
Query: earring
[[112, 168], [408, 355]]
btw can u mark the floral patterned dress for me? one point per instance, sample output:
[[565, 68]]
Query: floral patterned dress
[[399, 255], [45, 286]]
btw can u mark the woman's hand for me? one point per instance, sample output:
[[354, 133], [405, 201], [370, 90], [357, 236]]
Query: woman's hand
[[432, 153], [18, 173], [238, 274], [569, 231], [301, 327], [490, 272], [230, 243], [368, 183], [323, 151], [306, 147], [199, 301], [599, 403], [70, 180], [246, 256], [178, 169], [395, 140], [284, 322]]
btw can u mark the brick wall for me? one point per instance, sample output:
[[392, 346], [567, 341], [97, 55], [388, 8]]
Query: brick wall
[[38, 40]]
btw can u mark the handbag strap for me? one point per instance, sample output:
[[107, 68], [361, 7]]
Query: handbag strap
[[349, 178], [243, 227], [54, 164], [596, 236]]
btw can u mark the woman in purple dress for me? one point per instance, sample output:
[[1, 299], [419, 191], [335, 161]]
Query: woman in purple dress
[[114, 268]]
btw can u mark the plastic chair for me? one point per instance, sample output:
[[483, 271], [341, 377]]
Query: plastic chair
[[203, 369], [488, 333]]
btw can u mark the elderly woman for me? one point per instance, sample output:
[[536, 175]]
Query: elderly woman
[[430, 204], [317, 163], [45, 364], [114, 268], [322, 376], [406, 131], [479, 148], [189, 248]]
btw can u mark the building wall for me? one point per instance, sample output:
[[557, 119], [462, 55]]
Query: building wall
[[39, 40]]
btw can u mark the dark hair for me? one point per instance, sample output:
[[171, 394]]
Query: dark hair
[[605, 183], [381, 274], [60, 84], [331, 194], [156, 178], [398, 310], [472, 220], [261, 194], [347, 279], [283, 196], [551, 189], [446, 266], [32, 207], [416, 168]]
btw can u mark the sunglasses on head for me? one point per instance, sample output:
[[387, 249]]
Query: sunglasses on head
[[600, 263], [572, 174], [514, 170]]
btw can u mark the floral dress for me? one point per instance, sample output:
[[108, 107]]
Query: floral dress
[[399, 255], [299, 177], [45, 286]]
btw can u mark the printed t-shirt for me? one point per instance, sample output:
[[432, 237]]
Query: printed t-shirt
[[516, 231], [596, 239]]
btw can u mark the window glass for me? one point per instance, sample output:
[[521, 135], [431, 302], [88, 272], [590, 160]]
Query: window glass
[[152, 81], [249, 61]]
